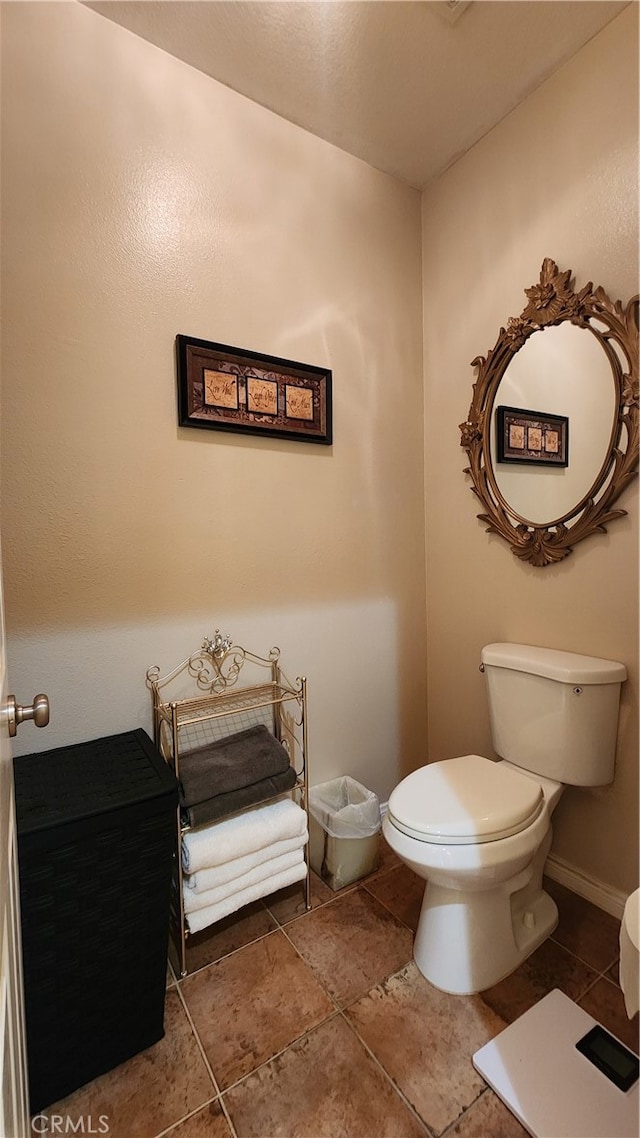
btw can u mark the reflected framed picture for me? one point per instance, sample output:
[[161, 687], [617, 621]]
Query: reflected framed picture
[[231, 389], [532, 437]]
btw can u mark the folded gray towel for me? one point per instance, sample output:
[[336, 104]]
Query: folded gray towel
[[223, 804], [230, 763]]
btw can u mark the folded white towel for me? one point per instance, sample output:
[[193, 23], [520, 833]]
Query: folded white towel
[[193, 900], [202, 918], [217, 875], [234, 837]]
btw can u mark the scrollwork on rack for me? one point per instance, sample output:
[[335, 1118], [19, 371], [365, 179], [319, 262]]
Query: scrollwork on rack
[[215, 665]]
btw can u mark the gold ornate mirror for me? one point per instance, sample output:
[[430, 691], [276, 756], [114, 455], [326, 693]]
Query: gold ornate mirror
[[552, 430]]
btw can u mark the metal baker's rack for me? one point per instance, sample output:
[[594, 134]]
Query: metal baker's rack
[[201, 701]]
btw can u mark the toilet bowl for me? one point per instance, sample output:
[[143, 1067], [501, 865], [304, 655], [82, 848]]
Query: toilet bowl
[[630, 954], [478, 832]]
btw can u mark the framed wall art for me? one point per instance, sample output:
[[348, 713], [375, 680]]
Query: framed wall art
[[230, 389], [532, 437]]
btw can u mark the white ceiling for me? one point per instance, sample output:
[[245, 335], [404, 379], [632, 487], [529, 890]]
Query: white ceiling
[[393, 82]]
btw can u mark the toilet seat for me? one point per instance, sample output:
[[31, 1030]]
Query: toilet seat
[[465, 801]]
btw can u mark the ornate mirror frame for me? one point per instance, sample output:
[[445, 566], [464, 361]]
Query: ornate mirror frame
[[553, 301]]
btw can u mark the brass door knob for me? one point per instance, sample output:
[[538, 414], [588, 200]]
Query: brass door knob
[[38, 712]]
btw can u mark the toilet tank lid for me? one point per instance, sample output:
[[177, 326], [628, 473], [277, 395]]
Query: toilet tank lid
[[566, 667]]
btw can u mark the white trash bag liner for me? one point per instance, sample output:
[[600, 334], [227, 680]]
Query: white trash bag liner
[[345, 808]]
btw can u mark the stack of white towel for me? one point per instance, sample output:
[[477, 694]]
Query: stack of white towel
[[230, 863]]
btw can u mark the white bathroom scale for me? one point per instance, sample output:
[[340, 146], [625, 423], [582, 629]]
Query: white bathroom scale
[[562, 1074]]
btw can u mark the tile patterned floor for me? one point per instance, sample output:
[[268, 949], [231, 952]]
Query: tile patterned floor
[[318, 1025]]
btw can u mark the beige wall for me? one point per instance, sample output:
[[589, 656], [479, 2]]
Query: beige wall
[[557, 178], [140, 199]]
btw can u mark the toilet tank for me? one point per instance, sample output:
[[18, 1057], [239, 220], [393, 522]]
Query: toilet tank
[[554, 713]]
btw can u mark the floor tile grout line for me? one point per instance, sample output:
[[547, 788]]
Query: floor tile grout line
[[391, 913], [226, 955], [605, 973], [583, 961], [352, 999], [591, 986], [456, 1121], [277, 1054], [338, 1010], [186, 1117], [225, 1111], [235, 951], [390, 910], [574, 956], [339, 1013], [335, 1005], [313, 974], [585, 992], [207, 1063], [321, 905], [353, 885], [271, 1058], [389, 1078]]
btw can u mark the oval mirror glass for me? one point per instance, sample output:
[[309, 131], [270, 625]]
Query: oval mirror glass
[[565, 372]]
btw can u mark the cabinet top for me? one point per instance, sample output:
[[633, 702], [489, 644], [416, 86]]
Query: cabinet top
[[87, 779]]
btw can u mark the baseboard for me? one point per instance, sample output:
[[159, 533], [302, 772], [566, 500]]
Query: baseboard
[[604, 896]]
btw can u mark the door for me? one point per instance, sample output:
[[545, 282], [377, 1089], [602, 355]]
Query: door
[[14, 1115], [14, 1112]]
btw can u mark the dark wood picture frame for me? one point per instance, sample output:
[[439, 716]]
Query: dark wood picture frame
[[532, 437], [231, 389]]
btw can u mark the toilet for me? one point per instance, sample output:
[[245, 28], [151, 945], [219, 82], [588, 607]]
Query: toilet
[[479, 831], [629, 970]]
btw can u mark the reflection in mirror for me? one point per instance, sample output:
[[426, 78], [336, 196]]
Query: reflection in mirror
[[583, 369], [565, 372]]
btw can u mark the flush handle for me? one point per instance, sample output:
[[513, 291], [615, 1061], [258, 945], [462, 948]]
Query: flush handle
[[16, 714]]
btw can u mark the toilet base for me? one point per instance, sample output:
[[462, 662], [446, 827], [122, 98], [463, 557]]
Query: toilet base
[[469, 941]]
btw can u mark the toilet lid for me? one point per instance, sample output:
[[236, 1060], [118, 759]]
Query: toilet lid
[[465, 801]]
